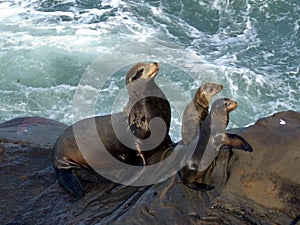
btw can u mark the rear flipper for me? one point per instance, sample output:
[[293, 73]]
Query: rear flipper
[[199, 186], [70, 182], [231, 141]]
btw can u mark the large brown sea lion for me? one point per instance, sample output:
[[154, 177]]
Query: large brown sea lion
[[146, 101], [212, 138]]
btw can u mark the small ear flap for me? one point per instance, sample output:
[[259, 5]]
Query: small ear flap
[[235, 141], [202, 94], [203, 98]]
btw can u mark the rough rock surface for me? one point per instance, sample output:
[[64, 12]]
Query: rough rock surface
[[262, 187]]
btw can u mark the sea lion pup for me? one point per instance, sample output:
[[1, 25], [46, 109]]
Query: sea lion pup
[[141, 108], [212, 138], [197, 110]]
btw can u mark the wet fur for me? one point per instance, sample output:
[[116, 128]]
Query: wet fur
[[217, 140], [135, 118]]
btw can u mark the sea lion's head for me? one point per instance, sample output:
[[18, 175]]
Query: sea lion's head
[[230, 105], [223, 106], [142, 71], [206, 92]]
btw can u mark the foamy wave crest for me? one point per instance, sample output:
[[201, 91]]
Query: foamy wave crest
[[251, 47], [52, 102]]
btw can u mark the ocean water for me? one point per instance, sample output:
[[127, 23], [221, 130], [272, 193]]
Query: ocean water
[[67, 59]]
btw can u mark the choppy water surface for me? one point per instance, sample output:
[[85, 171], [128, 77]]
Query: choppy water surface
[[252, 47]]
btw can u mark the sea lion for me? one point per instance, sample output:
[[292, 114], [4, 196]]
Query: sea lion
[[212, 138], [146, 101], [197, 110]]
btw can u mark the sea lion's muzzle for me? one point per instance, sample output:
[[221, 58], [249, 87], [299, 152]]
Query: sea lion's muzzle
[[231, 105], [152, 70]]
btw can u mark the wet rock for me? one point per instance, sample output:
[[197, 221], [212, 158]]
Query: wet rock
[[25, 164], [261, 187], [269, 176], [31, 130]]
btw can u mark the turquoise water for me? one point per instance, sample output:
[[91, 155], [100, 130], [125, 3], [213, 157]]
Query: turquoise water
[[47, 49]]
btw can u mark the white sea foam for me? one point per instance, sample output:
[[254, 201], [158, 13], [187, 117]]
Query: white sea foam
[[52, 46], [7, 10]]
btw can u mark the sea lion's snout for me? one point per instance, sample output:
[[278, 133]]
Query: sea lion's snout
[[153, 70], [231, 105], [220, 88], [156, 64]]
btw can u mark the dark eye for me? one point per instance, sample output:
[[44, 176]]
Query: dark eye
[[138, 74], [211, 89]]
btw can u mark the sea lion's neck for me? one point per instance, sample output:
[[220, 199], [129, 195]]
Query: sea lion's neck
[[201, 106], [140, 90], [202, 112], [220, 118], [202, 102]]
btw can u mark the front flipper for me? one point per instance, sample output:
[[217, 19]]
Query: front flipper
[[195, 185], [70, 182], [199, 186], [89, 175], [231, 141]]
